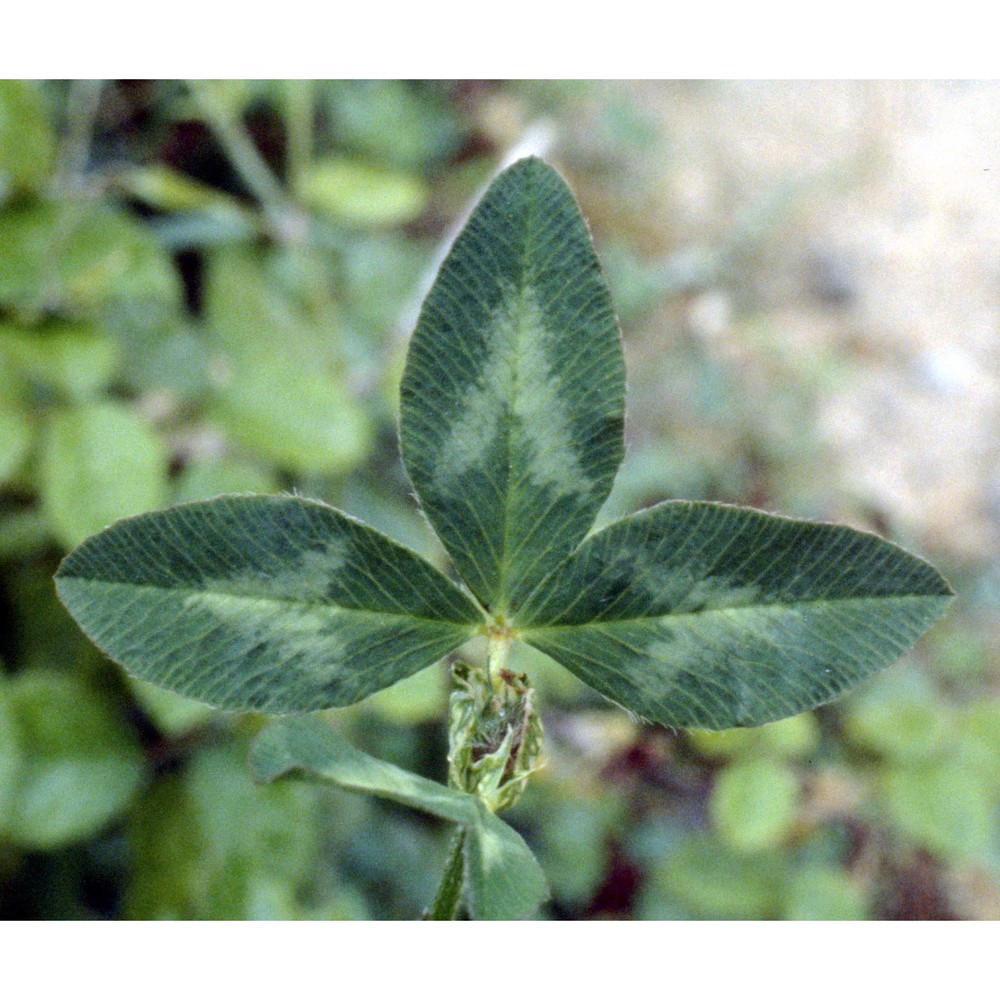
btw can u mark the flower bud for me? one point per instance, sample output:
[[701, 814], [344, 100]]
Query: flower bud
[[494, 734]]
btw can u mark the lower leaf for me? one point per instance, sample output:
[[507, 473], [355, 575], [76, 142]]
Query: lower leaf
[[505, 881]]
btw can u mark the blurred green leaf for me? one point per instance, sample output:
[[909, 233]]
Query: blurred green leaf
[[943, 807], [172, 713], [788, 739], [394, 122], [17, 433], [79, 765], [100, 462], [77, 358], [299, 418], [281, 393], [22, 531], [205, 478], [978, 742], [753, 804], [166, 189], [27, 142], [159, 353], [211, 845], [822, 893], [714, 883], [899, 717], [362, 194], [73, 257]]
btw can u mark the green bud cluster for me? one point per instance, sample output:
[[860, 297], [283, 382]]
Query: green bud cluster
[[494, 734]]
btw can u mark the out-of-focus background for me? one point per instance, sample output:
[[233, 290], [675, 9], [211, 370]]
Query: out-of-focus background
[[208, 288]]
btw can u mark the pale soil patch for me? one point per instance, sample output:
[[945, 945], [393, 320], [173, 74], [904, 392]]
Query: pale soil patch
[[886, 257]]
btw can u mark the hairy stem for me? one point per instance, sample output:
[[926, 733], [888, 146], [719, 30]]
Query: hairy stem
[[498, 652], [449, 894]]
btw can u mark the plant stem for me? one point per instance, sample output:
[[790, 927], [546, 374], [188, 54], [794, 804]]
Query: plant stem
[[82, 106], [299, 123], [243, 154], [498, 653], [449, 894]]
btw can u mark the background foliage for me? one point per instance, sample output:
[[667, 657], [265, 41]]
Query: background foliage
[[208, 288]]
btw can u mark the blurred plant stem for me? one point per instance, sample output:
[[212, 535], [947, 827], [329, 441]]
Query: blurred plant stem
[[286, 220], [82, 104], [299, 112], [72, 188]]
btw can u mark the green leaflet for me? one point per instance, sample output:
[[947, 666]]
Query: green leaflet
[[512, 400], [699, 614], [505, 881], [275, 604]]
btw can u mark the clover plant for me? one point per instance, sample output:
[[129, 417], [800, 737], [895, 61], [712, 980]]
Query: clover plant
[[512, 409]]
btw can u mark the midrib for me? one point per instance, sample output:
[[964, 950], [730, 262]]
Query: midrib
[[500, 600]]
